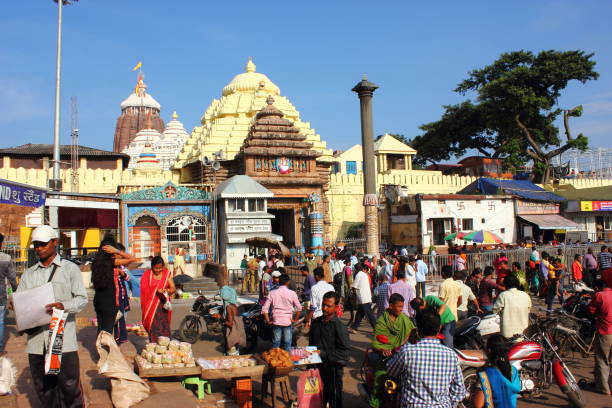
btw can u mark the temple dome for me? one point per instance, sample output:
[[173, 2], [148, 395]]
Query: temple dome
[[174, 129], [140, 97], [250, 81]]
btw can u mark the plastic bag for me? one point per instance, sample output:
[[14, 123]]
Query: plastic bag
[[127, 388], [53, 355], [8, 375], [310, 389]]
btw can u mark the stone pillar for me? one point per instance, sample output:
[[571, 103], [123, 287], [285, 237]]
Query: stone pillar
[[365, 90]]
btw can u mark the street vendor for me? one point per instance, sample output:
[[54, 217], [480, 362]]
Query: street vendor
[[233, 327], [392, 330]]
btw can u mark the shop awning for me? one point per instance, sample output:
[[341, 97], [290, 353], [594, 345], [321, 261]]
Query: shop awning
[[551, 222]]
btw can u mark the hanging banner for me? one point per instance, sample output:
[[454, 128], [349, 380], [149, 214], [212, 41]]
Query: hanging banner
[[21, 194]]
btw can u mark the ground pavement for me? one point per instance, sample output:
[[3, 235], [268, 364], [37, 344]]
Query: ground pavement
[[170, 393]]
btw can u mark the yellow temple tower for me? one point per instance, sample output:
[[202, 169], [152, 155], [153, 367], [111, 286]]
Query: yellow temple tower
[[226, 122]]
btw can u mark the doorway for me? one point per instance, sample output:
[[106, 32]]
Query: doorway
[[283, 224]]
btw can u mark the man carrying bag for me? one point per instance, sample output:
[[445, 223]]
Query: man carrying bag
[[61, 389]]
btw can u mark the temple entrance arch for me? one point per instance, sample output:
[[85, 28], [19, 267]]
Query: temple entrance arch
[[145, 237], [283, 224]]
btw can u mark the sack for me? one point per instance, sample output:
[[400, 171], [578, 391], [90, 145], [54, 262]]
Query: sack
[[310, 389], [53, 354], [127, 388]]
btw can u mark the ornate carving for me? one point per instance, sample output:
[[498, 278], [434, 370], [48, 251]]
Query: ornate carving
[[169, 192]]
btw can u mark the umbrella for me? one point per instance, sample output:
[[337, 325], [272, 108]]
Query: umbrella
[[265, 242], [483, 237], [454, 235]]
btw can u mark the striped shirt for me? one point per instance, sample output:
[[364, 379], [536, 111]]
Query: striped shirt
[[605, 261], [380, 294], [429, 374]]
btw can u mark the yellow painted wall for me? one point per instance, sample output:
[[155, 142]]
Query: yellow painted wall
[[91, 238], [91, 181]]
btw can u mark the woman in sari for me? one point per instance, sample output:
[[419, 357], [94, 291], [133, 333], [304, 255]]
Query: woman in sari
[[392, 330], [156, 289], [233, 326], [499, 383]]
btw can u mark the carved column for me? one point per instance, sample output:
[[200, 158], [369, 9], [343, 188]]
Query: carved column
[[365, 90]]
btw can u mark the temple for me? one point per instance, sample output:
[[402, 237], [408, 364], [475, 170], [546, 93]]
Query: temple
[[135, 111]]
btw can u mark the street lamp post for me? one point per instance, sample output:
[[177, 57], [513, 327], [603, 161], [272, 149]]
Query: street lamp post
[[56, 183], [365, 90]]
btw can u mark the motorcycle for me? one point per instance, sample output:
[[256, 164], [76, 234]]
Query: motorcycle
[[257, 329], [537, 361], [205, 317], [471, 333], [391, 396]]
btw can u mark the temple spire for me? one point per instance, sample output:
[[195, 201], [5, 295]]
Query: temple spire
[[250, 66]]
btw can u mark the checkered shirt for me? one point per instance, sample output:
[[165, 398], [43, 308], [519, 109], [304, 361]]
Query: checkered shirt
[[381, 295], [429, 374], [605, 261]]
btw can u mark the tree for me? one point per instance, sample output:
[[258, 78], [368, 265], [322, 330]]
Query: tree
[[515, 111]]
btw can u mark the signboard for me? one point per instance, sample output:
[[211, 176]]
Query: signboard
[[595, 205], [239, 229], [530, 207], [21, 195], [248, 221]]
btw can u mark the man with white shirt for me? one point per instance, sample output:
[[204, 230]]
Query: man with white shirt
[[421, 276], [404, 251], [316, 294], [261, 267], [513, 306], [361, 286], [278, 261]]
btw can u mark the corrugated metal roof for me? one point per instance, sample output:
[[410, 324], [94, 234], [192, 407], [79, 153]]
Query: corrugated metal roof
[[550, 221], [31, 149], [242, 186], [519, 188]]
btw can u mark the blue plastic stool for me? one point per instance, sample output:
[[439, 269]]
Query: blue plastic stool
[[203, 385]]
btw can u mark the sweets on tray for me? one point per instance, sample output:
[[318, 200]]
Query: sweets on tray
[[226, 363], [174, 354], [277, 357]]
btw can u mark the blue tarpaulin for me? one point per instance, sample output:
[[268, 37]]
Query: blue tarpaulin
[[520, 188]]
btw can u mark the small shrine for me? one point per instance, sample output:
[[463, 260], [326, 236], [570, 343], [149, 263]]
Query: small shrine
[[167, 220]]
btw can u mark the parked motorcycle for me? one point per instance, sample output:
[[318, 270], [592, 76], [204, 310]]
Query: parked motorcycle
[[537, 361], [471, 333], [391, 396], [257, 329], [205, 317]]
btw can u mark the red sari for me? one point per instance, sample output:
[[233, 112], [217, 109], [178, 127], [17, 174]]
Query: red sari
[[153, 313]]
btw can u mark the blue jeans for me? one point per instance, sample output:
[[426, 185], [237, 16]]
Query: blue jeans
[[284, 332], [448, 330], [488, 308], [2, 314]]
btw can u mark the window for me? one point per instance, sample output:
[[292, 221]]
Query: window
[[186, 228], [467, 224], [503, 230], [256, 205], [351, 167], [235, 205], [441, 201], [483, 221], [396, 162], [336, 168], [477, 201]]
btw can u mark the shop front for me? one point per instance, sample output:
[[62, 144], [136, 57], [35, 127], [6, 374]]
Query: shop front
[[172, 221], [594, 218], [542, 221]]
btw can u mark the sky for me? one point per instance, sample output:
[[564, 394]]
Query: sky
[[315, 51]]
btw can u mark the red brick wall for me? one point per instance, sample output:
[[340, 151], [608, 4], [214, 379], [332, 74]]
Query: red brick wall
[[12, 217]]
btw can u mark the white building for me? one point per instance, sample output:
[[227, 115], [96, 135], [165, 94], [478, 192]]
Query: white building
[[442, 214], [171, 143]]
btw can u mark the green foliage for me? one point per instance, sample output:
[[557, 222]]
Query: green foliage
[[514, 113]]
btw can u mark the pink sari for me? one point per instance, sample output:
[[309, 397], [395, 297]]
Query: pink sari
[[149, 298]]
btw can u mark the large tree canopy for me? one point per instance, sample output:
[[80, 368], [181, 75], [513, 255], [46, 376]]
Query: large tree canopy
[[513, 117]]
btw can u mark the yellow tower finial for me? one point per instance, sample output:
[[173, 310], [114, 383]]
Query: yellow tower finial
[[174, 115], [250, 66]]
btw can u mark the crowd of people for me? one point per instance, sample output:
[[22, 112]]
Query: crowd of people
[[412, 323]]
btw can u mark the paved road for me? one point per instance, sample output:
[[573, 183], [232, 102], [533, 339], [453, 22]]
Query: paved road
[[96, 388]]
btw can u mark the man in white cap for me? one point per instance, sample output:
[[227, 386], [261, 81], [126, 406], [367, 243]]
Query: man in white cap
[[63, 389]]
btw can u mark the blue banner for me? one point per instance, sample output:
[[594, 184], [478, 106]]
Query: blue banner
[[21, 195]]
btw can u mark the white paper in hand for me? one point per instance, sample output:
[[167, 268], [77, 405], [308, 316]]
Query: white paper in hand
[[30, 304]]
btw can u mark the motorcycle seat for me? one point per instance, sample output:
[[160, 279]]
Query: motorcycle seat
[[472, 358]]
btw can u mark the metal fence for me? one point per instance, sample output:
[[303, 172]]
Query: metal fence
[[520, 255]]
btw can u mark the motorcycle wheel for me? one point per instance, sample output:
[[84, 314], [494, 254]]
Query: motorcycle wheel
[[189, 329], [574, 393], [470, 380]]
